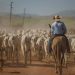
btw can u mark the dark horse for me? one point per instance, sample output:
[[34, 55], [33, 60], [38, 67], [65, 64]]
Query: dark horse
[[59, 47]]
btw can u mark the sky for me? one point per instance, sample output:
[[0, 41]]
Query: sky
[[37, 7]]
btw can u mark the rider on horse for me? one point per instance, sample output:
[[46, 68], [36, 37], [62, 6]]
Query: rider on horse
[[58, 28]]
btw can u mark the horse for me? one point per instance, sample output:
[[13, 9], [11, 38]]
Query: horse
[[59, 47]]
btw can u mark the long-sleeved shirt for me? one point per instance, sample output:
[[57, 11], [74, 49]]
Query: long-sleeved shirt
[[58, 28]]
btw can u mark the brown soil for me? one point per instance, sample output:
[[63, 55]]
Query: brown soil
[[37, 68]]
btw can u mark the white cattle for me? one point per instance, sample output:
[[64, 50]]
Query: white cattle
[[5, 46], [71, 40], [30, 41], [40, 47], [46, 48], [33, 45], [16, 46], [26, 46], [11, 47], [72, 45]]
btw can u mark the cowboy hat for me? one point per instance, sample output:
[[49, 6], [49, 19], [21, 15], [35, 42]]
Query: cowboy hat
[[56, 17]]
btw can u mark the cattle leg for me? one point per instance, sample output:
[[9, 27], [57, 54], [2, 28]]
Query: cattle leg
[[26, 57], [17, 56], [1, 60], [30, 56]]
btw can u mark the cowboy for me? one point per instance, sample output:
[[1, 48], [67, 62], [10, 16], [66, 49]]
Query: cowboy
[[58, 28]]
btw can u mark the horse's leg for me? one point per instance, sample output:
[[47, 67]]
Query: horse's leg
[[60, 69], [60, 64], [56, 67]]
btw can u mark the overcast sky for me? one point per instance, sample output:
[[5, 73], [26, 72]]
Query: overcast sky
[[39, 7]]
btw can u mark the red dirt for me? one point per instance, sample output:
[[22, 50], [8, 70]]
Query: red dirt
[[36, 70]]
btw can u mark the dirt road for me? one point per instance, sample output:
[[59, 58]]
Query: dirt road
[[36, 69]]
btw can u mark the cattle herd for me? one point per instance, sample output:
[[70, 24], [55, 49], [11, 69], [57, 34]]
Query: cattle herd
[[33, 41]]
